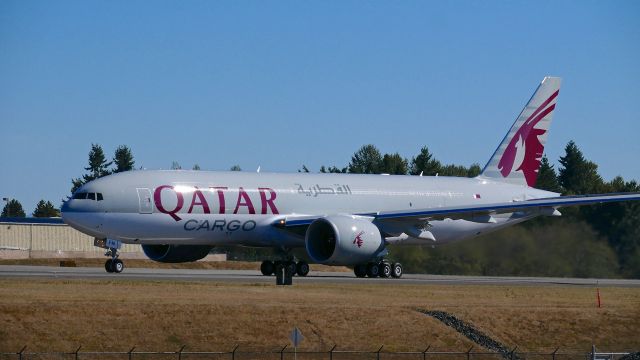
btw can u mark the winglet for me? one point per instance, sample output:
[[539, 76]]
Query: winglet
[[517, 159]]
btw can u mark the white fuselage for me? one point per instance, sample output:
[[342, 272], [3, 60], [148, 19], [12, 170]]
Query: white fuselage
[[241, 208]]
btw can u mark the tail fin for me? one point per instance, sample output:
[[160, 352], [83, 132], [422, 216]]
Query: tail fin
[[517, 159]]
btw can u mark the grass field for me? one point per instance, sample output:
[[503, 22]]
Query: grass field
[[150, 264], [163, 315]]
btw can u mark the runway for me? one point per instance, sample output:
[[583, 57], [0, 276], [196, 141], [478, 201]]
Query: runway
[[251, 276]]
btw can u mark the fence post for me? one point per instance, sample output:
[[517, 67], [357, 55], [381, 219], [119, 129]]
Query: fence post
[[331, 352], [233, 352], [378, 352], [131, 352], [469, 352], [180, 352], [78, 349], [553, 354], [21, 351], [424, 353], [593, 352], [512, 352], [282, 352]]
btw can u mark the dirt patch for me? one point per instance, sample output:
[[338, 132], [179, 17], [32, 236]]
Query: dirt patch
[[470, 332]]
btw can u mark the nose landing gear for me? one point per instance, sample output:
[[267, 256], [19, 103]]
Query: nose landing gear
[[113, 265]]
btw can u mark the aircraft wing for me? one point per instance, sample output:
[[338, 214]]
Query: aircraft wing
[[544, 206]]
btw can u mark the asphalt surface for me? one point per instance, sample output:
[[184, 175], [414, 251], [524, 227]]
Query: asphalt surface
[[245, 276]]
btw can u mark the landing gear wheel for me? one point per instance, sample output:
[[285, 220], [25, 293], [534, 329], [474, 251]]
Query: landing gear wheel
[[117, 265], [396, 270], [267, 268], [302, 268], [360, 270], [291, 267], [385, 269], [108, 265], [373, 270]]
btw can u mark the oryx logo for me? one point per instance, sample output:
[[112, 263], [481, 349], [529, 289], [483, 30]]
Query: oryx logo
[[358, 239], [525, 149]]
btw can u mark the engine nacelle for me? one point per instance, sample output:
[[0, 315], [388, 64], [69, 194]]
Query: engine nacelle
[[343, 240], [176, 253]]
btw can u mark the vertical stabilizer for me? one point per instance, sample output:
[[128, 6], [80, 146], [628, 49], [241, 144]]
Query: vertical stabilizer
[[517, 159]]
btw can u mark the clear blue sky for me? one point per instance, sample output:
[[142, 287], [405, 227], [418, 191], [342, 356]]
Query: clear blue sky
[[280, 84]]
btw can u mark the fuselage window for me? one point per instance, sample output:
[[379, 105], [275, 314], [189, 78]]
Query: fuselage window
[[92, 196], [80, 195], [100, 198]]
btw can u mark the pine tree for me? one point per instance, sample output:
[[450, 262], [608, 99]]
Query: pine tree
[[175, 166], [547, 177], [394, 164], [77, 182], [98, 164], [333, 170], [367, 160], [235, 168], [123, 159], [425, 163], [98, 167], [13, 208], [474, 170], [578, 175], [195, 167], [45, 209]]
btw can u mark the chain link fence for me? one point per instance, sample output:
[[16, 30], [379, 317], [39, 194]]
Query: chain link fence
[[287, 353]]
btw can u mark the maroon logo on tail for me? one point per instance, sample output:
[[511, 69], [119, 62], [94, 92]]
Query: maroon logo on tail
[[358, 239], [526, 141]]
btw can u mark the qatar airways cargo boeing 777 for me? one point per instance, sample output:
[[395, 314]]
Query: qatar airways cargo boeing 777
[[340, 219]]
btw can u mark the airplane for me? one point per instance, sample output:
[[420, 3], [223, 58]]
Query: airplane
[[339, 219]]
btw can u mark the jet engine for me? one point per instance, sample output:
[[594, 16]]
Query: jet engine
[[343, 240], [176, 253]]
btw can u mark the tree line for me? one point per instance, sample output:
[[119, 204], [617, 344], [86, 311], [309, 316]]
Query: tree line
[[604, 239]]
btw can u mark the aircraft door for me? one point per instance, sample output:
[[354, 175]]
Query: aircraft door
[[144, 198]]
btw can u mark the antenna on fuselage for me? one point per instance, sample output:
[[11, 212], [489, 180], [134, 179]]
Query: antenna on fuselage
[[421, 173], [258, 170]]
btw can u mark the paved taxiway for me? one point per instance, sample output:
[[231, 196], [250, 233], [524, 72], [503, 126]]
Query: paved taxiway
[[244, 276]]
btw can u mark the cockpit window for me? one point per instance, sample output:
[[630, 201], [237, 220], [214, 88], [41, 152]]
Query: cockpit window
[[100, 198], [91, 196], [80, 195]]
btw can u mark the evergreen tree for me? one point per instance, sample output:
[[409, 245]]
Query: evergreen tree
[[394, 164], [13, 208], [425, 163], [235, 168], [332, 170], [175, 166], [474, 170], [123, 159], [578, 175], [367, 160], [98, 164], [45, 209], [195, 167], [304, 169], [76, 183], [454, 170], [98, 167], [547, 177]]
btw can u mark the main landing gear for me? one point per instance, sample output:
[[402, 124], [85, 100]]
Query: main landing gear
[[300, 268], [382, 269]]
